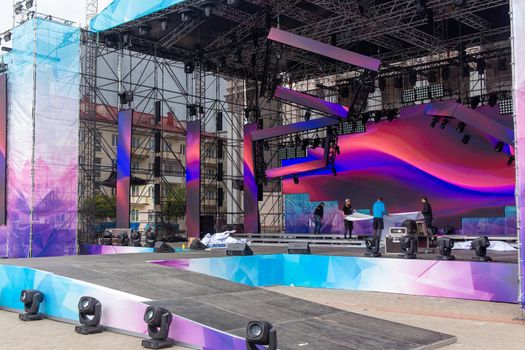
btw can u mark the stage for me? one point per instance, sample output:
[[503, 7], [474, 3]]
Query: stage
[[221, 306]]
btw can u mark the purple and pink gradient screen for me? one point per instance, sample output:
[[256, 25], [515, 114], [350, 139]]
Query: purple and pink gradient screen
[[193, 178], [125, 121], [251, 203], [406, 159], [3, 146]]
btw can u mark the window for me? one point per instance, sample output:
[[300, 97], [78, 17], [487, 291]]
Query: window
[[135, 141], [182, 149], [135, 215], [98, 165], [135, 191], [135, 165], [114, 140]]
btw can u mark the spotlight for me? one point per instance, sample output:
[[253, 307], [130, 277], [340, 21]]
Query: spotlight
[[372, 247], [445, 246], [189, 67], [474, 102], [123, 239], [31, 300], [444, 124], [465, 139], [296, 179], [29, 4], [493, 99], [501, 64], [260, 333], [480, 245], [408, 245], [208, 6], [391, 114], [18, 8], [434, 122], [150, 239], [317, 143], [506, 106], [107, 237], [144, 30], [511, 160], [499, 147], [461, 127], [7, 36], [185, 14], [89, 313], [307, 115], [378, 116], [164, 24], [135, 238], [481, 66], [158, 321]]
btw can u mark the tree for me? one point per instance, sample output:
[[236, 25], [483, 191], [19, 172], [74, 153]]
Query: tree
[[101, 206], [174, 207]]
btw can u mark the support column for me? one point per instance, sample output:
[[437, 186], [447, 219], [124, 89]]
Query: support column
[[193, 178]]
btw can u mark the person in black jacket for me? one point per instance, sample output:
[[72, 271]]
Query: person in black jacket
[[349, 225], [427, 213], [318, 217]]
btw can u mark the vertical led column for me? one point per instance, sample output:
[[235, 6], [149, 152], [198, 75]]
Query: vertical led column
[[517, 9], [3, 147], [251, 203], [193, 178], [125, 122]]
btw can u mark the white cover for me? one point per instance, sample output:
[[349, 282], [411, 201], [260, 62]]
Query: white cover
[[498, 246], [221, 239]]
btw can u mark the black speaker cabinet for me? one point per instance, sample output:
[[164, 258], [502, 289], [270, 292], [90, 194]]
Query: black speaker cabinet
[[299, 248], [163, 247], [207, 225], [196, 244], [238, 249]]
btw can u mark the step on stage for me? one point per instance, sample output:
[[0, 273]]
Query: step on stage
[[226, 306]]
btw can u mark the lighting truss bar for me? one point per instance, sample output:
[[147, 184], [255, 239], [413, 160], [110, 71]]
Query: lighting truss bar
[[295, 128], [323, 49]]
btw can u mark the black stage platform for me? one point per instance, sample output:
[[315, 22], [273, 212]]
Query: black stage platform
[[229, 306]]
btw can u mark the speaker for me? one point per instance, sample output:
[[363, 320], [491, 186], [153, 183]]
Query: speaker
[[156, 167], [156, 194], [220, 196], [238, 249], [220, 148], [157, 141], [219, 121], [260, 191], [158, 111], [299, 248], [196, 244], [207, 224], [220, 172], [163, 247]]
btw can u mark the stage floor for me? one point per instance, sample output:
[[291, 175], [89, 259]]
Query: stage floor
[[228, 306]]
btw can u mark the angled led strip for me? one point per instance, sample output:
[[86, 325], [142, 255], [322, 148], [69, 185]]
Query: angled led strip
[[323, 49], [311, 102]]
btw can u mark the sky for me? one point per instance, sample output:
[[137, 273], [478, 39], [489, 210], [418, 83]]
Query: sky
[[74, 10]]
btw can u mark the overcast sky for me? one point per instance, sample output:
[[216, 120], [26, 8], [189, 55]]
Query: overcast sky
[[74, 10]]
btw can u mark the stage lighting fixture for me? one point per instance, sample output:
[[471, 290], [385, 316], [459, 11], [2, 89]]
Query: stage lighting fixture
[[481, 66], [499, 147], [422, 93], [29, 4], [18, 8], [493, 99], [298, 141], [300, 152], [164, 24], [281, 153], [296, 179], [150, 239], [434, 122], [465, 139], [372, 247], [31, 300], [158, 320], [208, 6], [412, 77], [89, 313], [437, 91], [445, 246], [260, 333], [448, 230], [391, 115], [232, 2], [444, 124], [7, 36], [144, 30], [365, 118], [123, 239], [511, 160], [475, 101], [432, 77], [307, 115], [480, 245], [189, 67], [305, 144], [398, 82], [461, 127], [135, 238], [506, 107], [460, 3], [266, 145], [409, 95], [378, 115], [107, 237], [186, 14], [408, 246], [316, 143], [501, 64], [445, 73]]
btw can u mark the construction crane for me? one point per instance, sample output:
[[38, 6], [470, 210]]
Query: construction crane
[[91, 10]]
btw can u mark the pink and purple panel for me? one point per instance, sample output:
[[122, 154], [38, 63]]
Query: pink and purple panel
[[125, 122], [97, 249], [193, 178], [311, 102], [3, 150], [251, 203]]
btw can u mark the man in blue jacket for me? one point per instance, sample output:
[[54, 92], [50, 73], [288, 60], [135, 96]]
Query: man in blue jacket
[[378, 211]]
